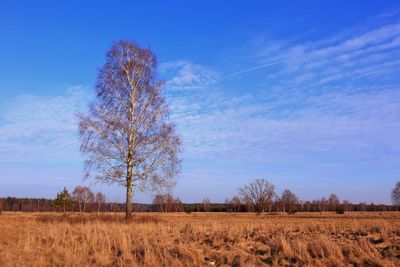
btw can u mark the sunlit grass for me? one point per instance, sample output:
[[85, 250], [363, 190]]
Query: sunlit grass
[[199, 239]]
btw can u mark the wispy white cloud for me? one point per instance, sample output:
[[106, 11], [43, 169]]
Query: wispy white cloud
[[185, 75], [342, 59], [45, 127], [341, 126], [336, 98], [325, 101]]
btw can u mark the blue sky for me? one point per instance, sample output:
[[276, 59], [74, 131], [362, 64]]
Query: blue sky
[[305, 94]]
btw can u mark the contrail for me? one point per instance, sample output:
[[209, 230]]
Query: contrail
[[252, 69]]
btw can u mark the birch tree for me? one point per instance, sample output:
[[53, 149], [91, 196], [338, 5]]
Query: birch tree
[[100, 200], [83, 195], [127, 135]]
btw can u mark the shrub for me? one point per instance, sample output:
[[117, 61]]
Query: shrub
[[340, 210], [291, 211]]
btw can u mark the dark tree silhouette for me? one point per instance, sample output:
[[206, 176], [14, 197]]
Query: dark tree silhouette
[[289, 201], [334, 202], [396, 195], [260, 193]]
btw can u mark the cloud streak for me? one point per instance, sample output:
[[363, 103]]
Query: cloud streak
[[185, 75], [341, 126], [336, 99], [34, 127], [263, 66]]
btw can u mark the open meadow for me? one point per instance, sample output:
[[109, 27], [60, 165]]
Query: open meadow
[[200, 239]]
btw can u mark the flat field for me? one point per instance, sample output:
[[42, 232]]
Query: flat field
[[200, 239]]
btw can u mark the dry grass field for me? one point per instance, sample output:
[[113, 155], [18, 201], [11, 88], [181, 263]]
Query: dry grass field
[[200, 239]]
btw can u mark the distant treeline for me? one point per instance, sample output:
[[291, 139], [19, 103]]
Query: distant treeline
[[173, 205], [44, 205]]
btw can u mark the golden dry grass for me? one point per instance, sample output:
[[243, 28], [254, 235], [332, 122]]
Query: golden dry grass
[[200, 239]]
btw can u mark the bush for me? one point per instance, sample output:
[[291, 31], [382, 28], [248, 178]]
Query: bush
[[1, 210], [291, 211], [339, 211]]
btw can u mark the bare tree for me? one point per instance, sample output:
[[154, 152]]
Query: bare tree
[[307, 206], [249, 206], [228, 207], [279, 204], [206, 204], [167, 203], [178, 205], [334, 202], [126, 134], [289, 201], [323, 203], [100, 200], [87, 197], [346, 205], [260, 193], [396, 195], [76, 195], [363, 206], [83, 195], [159, 202], [235, 203]]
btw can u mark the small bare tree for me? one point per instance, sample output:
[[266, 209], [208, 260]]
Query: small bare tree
[[396, 195], [83, 195], [334, 202], [346, 205], [127, 135], [159, 202], [167, 203], [235, 201], [323, 202], [260, 193], [279, 206], [178, 205], [289, 201], [76, 195], [228, 207], [206, 204], [87, 197], [100, 200]]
